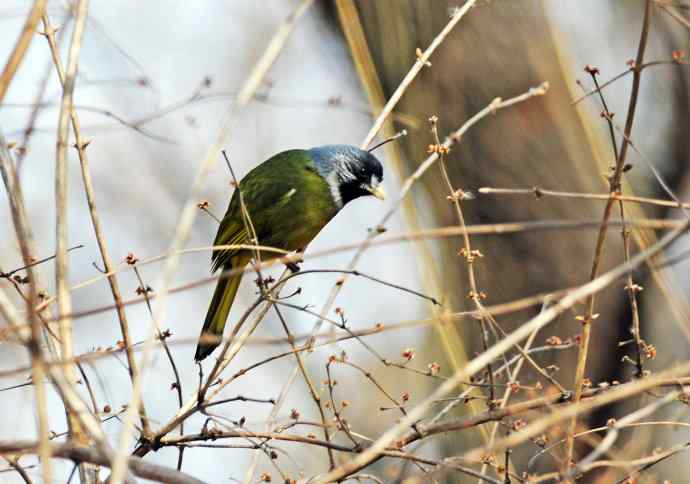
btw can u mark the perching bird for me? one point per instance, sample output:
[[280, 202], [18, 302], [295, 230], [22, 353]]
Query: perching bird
[[289, 199]]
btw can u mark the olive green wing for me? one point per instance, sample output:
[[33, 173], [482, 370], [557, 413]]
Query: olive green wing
[[265, 190], [233, 231], [229, 233]]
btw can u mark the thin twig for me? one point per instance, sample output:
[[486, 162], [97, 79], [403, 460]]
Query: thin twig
[[37, 104], [508, 392], [310, 385], [478, 363], [623, 74], [61, 197], [441, 232], [618, 393], [79, 454], [357, 273], [14, 463], [470, 256], [342, 423], [7, 275], [419, 64], [630, 286], [539, 192], [249, 89], [615, 183], [674, 14], [449, 142], [611, 436], [163, 337], [81, 145], [21, 46]]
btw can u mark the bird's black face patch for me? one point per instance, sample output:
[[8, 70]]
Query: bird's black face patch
[[362, 176], [350, 172]]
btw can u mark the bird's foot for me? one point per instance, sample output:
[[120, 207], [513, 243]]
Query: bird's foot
[[293, 266]]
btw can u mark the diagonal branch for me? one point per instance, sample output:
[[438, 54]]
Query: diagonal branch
[[21, 46], [189, 211], [480, 362]]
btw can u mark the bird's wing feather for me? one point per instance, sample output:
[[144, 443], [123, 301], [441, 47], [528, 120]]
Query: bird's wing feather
[[262, 189], [229, 233], [268, 191]]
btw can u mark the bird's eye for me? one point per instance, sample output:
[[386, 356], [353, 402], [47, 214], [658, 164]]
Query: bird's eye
[[363, 169]]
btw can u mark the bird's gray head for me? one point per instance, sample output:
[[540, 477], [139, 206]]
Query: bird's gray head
[[350, 172]]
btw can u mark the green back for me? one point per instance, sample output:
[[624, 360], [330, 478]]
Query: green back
[[288, 203]]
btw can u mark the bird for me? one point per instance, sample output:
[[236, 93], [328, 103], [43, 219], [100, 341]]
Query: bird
[[287, 200]]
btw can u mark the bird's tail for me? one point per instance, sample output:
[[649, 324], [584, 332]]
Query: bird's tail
[[218, 310]]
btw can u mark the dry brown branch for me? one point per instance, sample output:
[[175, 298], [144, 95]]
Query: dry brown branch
[[470, 256], [313, 392], [80, 145], [21, 46], [420, 405], [162, 338], [79, 454], [38, 371], [615, 186], [539, 192], [615, 78], [475, 365], [630, 286], [419, 64], [448, 143], [61, 197], [578, 408], [189, 212], [675, 15], [36, 107], [611, 436], [442, 232]]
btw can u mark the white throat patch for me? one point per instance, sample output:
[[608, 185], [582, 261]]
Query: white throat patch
[[339, 176], [334, 185]]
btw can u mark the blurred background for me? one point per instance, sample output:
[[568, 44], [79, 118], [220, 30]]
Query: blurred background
[[171, 69]]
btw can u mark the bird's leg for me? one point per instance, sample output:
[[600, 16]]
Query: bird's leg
[[200, 395], [294, 266]]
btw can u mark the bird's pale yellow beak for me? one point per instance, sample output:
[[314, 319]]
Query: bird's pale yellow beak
[[377, 191]]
